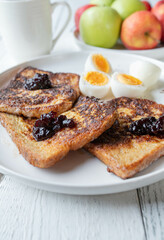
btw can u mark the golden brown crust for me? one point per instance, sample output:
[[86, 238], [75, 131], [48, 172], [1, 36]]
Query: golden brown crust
[[60, 98], [92, 117], [126, 154]]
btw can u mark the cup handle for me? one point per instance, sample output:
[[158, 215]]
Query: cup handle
[[53, 6]]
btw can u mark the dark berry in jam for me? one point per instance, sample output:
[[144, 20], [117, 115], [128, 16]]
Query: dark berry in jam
[[150, 125], [42, 133], [49, 124], [69, 123], [39, 81], [158, 128], [61, 118]]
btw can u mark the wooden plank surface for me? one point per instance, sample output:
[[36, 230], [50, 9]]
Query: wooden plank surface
[[151, 200], [30, 214]]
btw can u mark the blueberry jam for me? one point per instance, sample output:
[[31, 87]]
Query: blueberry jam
[[150, 125], [39, 81], [49, 124]]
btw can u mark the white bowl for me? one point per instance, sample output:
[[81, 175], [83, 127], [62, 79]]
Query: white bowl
[[157, 53]]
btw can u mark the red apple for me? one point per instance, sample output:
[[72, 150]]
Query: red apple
[[140, 31], [158, 11], [147, 5], [79, 12]]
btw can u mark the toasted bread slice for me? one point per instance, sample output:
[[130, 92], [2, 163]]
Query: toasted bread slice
[[126, 154], [92, 117], [16, 99]]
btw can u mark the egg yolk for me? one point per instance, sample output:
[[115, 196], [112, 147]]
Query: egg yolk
[[101, 63], [129, 80], [96, 78]]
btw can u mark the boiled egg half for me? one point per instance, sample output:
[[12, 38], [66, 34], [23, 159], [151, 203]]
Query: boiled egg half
[[126, 85], [147, 72], [94, 83], [97, 62]]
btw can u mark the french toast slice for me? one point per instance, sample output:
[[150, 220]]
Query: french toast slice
[[92, 118], [17, 100], [126, 154]]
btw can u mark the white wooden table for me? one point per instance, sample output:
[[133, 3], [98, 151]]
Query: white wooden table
[[31, 214]]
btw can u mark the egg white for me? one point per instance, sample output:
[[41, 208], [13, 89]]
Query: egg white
[[120, 89], [147, 72], [90, 90]]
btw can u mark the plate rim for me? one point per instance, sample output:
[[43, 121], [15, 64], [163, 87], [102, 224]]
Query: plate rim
[[124, 181]]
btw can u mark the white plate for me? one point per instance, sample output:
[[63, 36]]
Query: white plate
[[157, 53], [79, 172]]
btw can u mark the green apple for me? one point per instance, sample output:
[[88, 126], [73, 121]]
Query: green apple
[[100, 26], [127, 7], [102, 2]]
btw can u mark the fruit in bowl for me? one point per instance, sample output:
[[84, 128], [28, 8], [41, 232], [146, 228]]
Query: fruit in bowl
[[79, 12], [158, 11], [140, 31], [147, 5], [100, 26], [126, 7]]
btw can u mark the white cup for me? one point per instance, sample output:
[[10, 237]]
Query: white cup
[[26, 27]]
